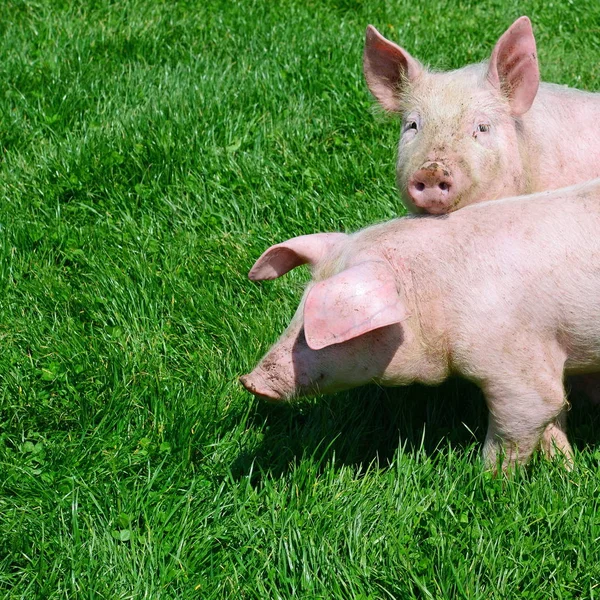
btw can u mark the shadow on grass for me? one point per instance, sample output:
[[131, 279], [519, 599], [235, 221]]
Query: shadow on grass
[[369, 424], [365, 425]]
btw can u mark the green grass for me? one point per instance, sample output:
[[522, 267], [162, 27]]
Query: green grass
[[151, 150]]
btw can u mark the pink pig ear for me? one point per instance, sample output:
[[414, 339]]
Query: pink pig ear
[[279, 259], [513, 67], [350, 304], [387, 67]]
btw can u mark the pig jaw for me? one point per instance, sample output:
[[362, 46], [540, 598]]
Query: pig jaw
[[292, 370]]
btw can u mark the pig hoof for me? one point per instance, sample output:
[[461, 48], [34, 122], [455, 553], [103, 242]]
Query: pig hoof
[[555, 445]]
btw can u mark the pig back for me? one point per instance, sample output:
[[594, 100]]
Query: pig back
[[530, 266]]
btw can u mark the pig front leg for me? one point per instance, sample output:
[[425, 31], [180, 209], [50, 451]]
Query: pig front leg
[[527, 407], [555, 442], [522, 419]]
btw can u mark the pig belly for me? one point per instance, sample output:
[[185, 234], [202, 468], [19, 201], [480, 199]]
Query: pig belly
[[583, 349], [584, 362]]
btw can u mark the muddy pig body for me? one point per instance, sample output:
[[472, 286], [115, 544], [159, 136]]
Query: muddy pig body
[[485, 131], [505, 294]]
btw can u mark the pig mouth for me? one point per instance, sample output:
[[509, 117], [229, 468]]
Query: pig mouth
[[440, 209], [261, 391]]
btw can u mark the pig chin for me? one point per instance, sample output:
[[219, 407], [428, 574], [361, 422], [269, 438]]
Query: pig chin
[[275, 392]]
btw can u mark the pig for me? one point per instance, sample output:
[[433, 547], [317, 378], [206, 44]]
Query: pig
[[485, 131], [505, 294]]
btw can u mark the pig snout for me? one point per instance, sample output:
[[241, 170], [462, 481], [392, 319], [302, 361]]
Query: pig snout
[[256, 384], [432, 188], [273, 379]]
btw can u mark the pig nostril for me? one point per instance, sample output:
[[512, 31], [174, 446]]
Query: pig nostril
[[420, 186], [444, 186]]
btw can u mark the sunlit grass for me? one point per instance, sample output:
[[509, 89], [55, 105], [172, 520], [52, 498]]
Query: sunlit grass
[[150, 152]]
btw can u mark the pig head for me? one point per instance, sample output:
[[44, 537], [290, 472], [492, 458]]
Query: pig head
[[458, 143], [484, 131], [348, 326]]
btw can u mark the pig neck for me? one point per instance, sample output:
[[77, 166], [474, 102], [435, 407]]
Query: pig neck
[[552, 158], [422, 289]]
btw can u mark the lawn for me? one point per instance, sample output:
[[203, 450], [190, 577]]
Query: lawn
[[151, 150]]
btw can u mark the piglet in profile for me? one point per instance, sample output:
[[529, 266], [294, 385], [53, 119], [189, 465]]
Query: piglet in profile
[[505, 294]]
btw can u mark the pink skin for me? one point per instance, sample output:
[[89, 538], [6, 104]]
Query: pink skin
[[485, 131], [404, 302]]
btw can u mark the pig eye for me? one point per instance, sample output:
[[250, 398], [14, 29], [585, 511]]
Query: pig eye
[[483, 127], [411, 126]]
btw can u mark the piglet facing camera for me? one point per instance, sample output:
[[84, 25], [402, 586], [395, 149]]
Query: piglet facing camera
[[485, 131]]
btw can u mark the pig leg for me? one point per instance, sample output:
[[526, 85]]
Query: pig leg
[[554, 440], [524, 406], [519, 419]]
